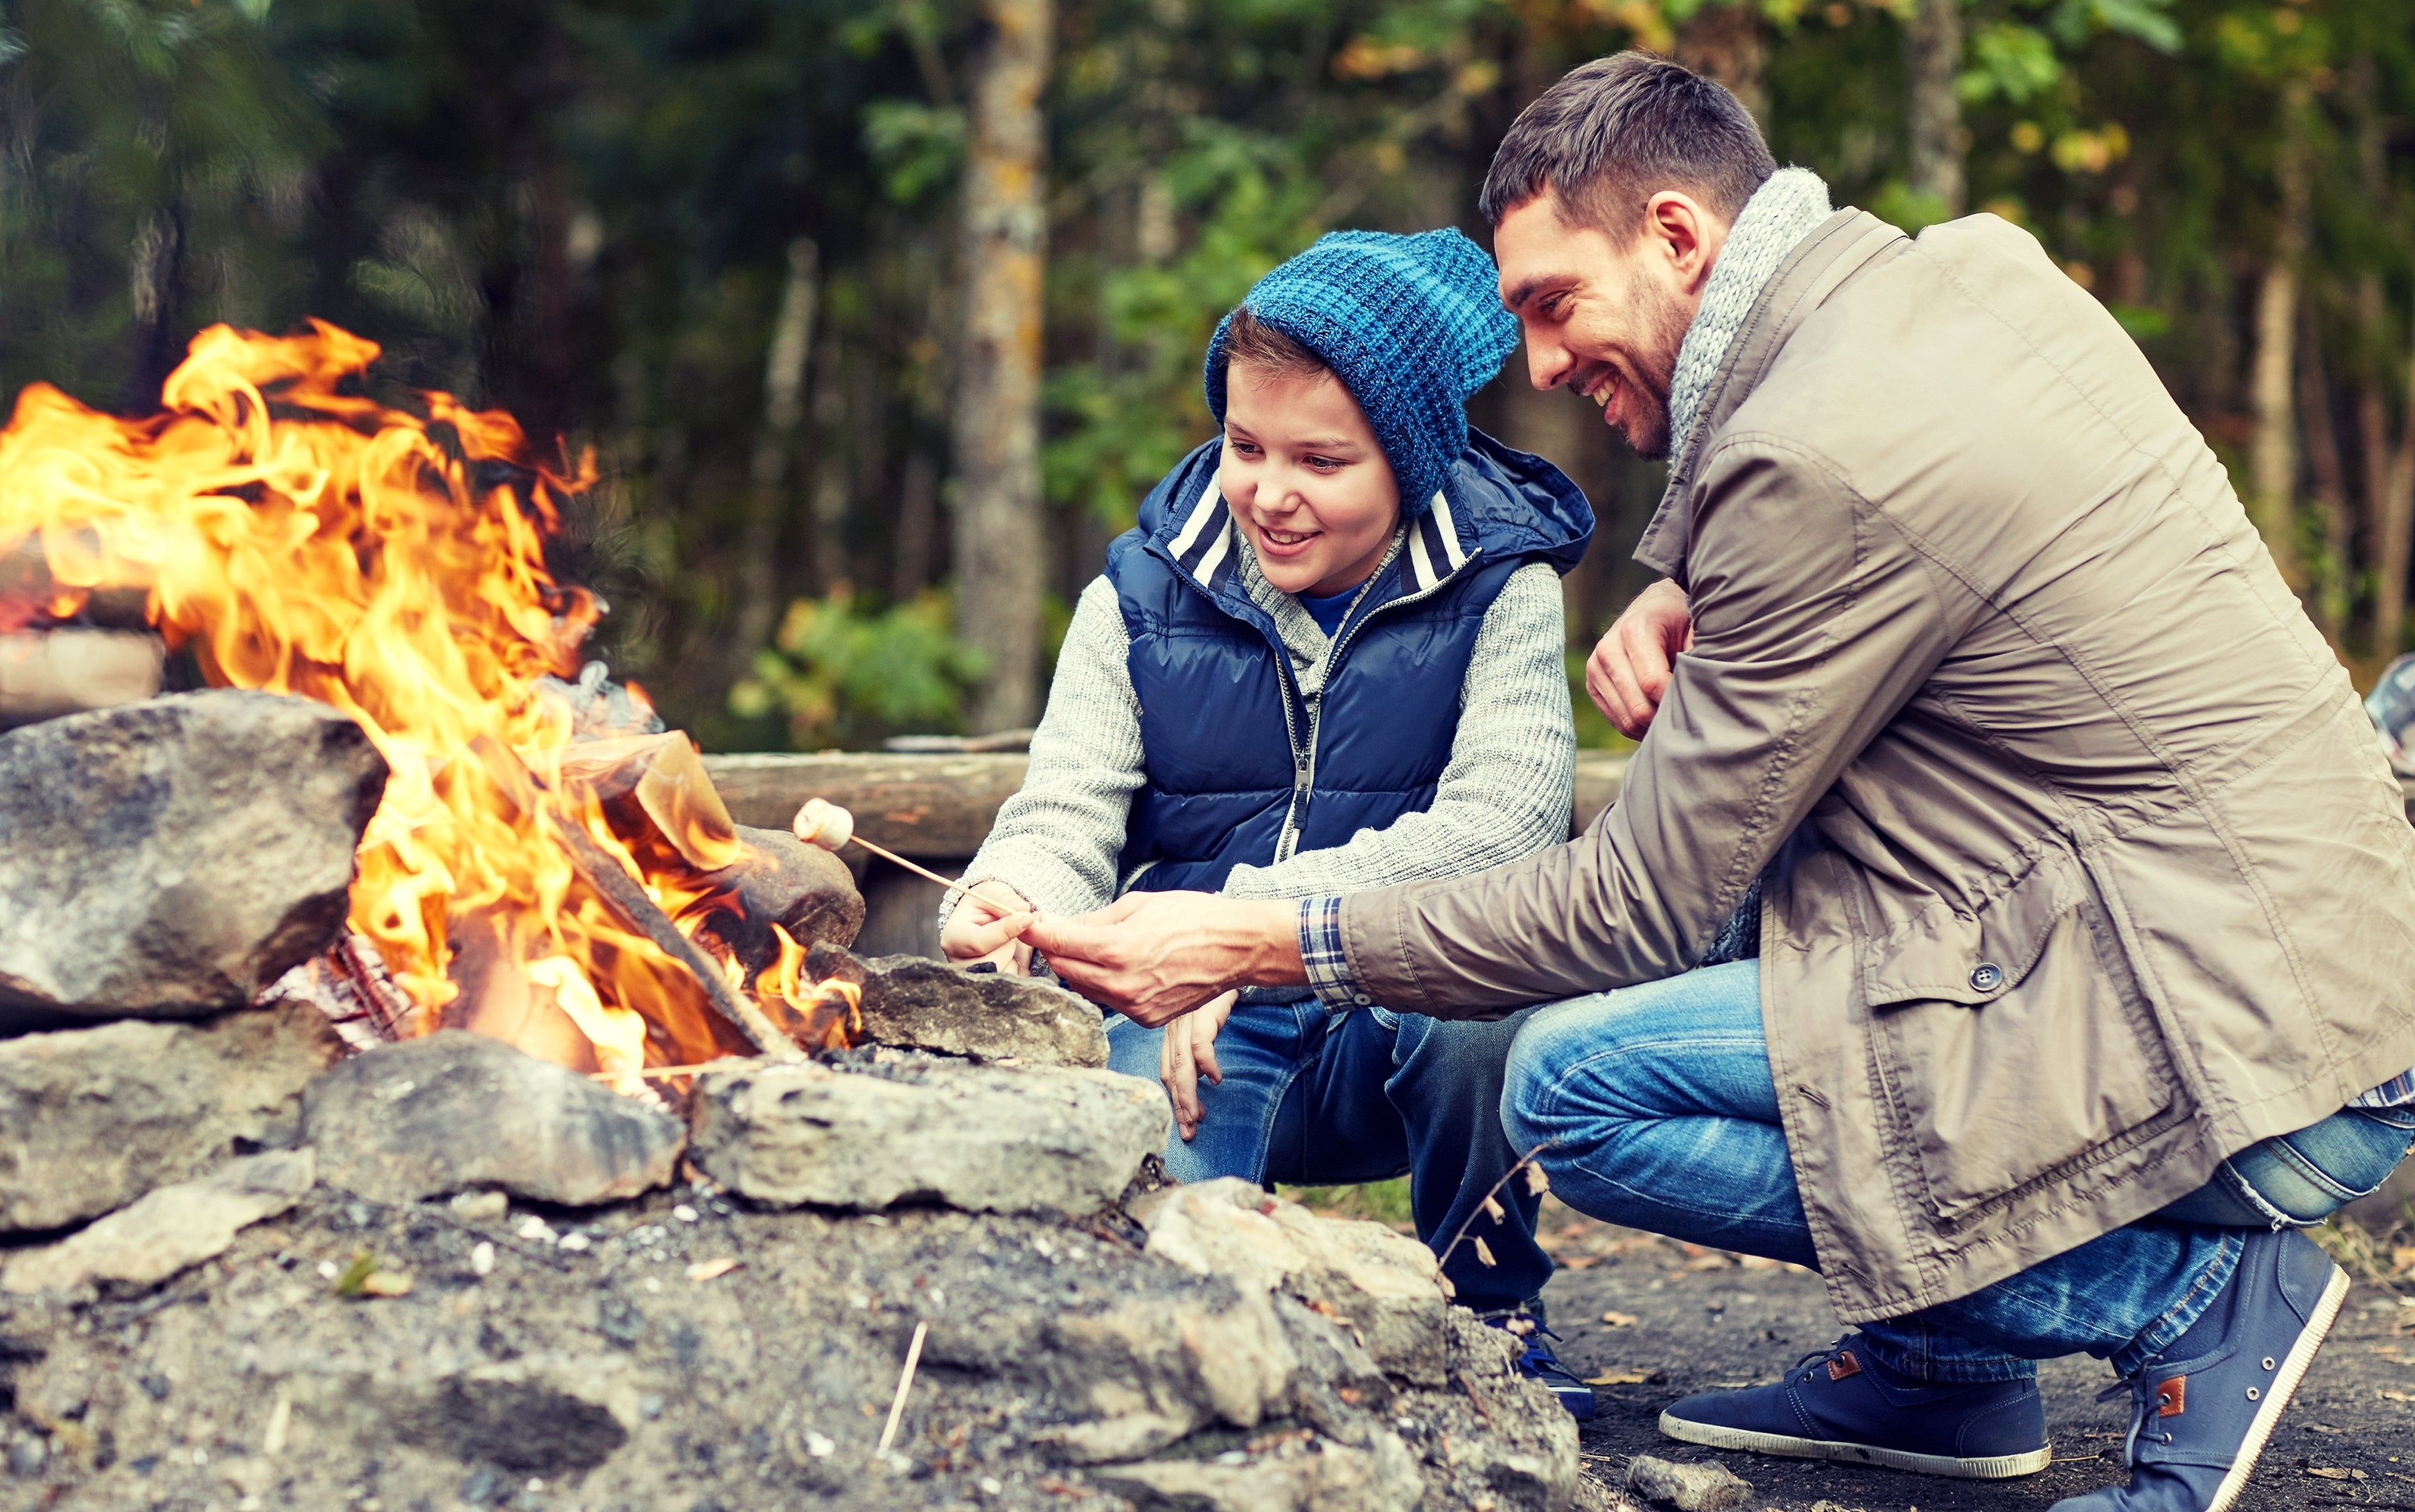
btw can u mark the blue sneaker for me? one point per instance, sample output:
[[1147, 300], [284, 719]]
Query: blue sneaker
[[1537, 1362], [1841, 1403], [2202, 1410]]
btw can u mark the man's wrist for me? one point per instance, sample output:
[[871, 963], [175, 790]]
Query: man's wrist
[[1266, 939]]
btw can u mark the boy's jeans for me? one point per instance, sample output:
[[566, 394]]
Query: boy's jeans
[[1314, 1098], [1661, 1112]]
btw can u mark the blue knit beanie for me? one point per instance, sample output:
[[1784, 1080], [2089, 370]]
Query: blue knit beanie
[[1411, 325]]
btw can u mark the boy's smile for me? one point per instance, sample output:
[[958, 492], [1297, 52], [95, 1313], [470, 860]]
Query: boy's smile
[[1306, 480]]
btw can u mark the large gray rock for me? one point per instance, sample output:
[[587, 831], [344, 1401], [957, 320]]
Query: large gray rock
[[916, 1003], [172, 858], [91, 1119], [456, 1111], [1385, 1283], [174, 1227], [1291, 1474], [987, 1139], [1706, 1487]]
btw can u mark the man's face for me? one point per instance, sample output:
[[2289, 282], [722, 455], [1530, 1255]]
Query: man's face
[[1606, 319]]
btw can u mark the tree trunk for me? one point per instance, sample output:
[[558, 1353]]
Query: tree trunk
[[1723, 40], [2389, 481], [784, 410], [2272, 449], [2332, 579], [1932, 57], [1001, 545]]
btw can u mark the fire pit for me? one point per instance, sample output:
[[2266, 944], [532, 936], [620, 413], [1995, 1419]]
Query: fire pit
[[417, 1092]]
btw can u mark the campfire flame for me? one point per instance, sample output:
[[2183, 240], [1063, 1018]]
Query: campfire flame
[[300, 538]]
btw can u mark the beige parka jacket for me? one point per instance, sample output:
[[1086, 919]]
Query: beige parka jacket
[[2088, 871]]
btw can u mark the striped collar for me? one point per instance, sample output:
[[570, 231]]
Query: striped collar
[[1209, 542]]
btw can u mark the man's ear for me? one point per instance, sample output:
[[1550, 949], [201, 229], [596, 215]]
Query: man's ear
[[1686, 235]]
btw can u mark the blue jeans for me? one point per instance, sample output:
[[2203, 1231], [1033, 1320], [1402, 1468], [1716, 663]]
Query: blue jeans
[[1314, 1098], [1659, 1111]]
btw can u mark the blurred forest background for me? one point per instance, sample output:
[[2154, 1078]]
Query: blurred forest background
[[880, 315]]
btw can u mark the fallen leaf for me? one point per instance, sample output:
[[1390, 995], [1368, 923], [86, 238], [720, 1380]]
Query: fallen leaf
[[2330, 1472], [2395, 1396], [1620, 1319], [1579, 1261], [349, 1281], [1629, 1378], [386, 1283], [705, 1270]]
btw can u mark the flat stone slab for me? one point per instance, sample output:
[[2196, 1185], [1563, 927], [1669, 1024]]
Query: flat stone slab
[[173, 1228], [986, 1139], [916, 1003], [91, 1119], [457, 1112], [171, 859]]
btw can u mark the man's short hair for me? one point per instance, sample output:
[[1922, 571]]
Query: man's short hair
[[1620, 129]]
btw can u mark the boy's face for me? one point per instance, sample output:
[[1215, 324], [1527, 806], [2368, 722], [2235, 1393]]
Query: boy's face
[[1306, 480]]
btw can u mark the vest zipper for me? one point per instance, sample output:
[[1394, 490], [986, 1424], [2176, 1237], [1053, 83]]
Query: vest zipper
[[1304, 762]]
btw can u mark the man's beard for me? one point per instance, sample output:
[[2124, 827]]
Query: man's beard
[[1662, 322]]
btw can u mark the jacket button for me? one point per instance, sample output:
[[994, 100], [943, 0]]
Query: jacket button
[[1987, 976]]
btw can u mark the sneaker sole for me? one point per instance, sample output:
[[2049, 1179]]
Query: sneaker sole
[[2284, 1385], [1989, 1467]]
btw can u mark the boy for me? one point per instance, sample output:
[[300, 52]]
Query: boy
[[1329, 657]]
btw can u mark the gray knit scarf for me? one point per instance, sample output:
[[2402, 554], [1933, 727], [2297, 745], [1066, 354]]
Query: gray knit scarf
[[1783, 211]]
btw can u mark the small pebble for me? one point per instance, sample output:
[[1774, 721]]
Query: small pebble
[[482, 1258], [684, 1212], [574, 1241]]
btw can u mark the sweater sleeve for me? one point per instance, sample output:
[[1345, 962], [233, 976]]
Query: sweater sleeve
[[1058, 839], [1510, 780]]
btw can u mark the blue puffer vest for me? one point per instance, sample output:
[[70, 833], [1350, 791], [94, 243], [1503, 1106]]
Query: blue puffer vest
[[1242, 769]]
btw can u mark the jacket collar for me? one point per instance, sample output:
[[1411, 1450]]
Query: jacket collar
[[1838, 249]]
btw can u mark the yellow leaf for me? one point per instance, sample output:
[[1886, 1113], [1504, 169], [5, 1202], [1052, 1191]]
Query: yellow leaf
[[1627, 1378], [1620, 1319], [1484, 1252]]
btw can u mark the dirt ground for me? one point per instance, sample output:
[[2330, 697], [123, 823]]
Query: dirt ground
[[1686, 1318]]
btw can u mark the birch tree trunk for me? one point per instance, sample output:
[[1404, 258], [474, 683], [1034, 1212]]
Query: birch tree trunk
[[1000, 545], [2272, 448], [2331, 582], [1932, 57], [784, 409]]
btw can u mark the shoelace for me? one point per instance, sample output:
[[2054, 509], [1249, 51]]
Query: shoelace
[[1817, 1355], [2142, 1402]]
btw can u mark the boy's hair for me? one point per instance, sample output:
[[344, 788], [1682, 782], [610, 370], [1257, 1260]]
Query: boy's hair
[[1620, 129], [1250, 342]]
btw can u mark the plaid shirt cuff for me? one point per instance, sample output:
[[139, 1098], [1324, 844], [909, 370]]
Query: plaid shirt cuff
[[1320, 950], [2397, 1092]]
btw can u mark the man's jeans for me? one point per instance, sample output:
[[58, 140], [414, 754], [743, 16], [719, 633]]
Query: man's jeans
[[1314, 1098], [1658, 1105]]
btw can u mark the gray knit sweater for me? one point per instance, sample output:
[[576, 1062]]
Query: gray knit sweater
[[1505, 791]]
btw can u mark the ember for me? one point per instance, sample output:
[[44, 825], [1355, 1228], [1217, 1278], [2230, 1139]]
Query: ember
[[586, 899]]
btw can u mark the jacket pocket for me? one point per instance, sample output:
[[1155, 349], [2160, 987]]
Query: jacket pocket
[[2015, 1045]]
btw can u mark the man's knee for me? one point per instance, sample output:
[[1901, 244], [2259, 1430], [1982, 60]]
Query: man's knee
[[1538, 1061]]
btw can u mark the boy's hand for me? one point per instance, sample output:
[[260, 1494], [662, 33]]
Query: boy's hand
[[1153, 956], [1186, 1053], [1630, 670], [988, 925]]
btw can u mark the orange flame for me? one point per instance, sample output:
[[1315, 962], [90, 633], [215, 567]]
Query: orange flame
[[302, 539]]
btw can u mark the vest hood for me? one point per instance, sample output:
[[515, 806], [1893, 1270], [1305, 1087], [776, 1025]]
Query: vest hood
[[1498, 503]]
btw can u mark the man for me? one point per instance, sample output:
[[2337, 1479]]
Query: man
[[2080, 897]]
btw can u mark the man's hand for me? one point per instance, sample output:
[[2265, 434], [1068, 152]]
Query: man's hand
[[1152, 956], [1187, 1052], [987, 925], [1630, 670]]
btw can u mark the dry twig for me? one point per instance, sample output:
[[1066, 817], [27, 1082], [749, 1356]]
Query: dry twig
[[905, 1384]]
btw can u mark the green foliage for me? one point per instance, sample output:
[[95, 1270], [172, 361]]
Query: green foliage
[[845, 675], [1382, 1201]]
